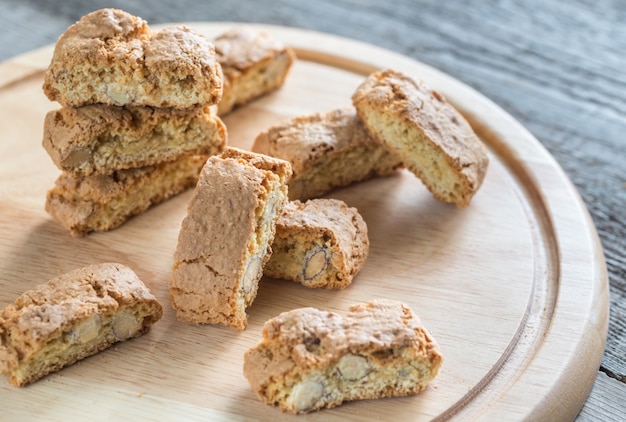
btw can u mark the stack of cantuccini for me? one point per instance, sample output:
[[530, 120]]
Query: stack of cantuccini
[[138, 117]]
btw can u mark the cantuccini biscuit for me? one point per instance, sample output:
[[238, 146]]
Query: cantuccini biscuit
[[326, 151], [84, 204], [225, 239], [320, 243], [253, 62], [112, 57], [71, 317], [100, 139], [427, 133], [310, 359]]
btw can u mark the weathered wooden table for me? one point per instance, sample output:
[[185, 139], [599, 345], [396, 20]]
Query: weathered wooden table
[[556, 66]]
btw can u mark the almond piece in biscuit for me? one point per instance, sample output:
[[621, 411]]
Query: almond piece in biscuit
[[310, 359], [320, 243], [100, 139], [71, 317]]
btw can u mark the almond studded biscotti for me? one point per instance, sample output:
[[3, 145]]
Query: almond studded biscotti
[[114, 58], [83, 204], [428, 134], [100, 139], [319, 243], [225, 239], [71, 317], [310, 359], [326, 151], [254, 64]]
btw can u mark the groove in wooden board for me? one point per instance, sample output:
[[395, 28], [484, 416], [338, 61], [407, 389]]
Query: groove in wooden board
[[515, 190], [24, 67], [21, 75]]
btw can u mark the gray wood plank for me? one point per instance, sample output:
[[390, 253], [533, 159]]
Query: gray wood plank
[[606, 402]]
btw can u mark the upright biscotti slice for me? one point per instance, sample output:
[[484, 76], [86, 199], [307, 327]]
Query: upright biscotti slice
[[112, 57], [326, 151], [320, 243], [100, 139], [225, 239], [310, 359], [83, 204], [427, 133], [254, 64], [71, 317]]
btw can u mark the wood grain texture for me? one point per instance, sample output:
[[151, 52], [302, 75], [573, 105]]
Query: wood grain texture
[[555, 66], [598, 408]]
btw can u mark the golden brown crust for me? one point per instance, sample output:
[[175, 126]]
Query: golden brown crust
[[433, 139], [326, 151], [79, 313], [83, 204], [112, 57], [100, 139], [320, 243], [225, 239], [310, 359], [254, 64]]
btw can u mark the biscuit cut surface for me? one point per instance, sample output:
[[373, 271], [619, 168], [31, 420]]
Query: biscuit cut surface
[[83, 204], [321, 243], [112, 57], [225, 239], [310, 359], [71, 317], [433, 140], [100, 139], [254, 64], [326, 151]]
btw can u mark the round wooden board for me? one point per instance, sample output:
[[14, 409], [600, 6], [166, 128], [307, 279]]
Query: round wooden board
[[514, 287]]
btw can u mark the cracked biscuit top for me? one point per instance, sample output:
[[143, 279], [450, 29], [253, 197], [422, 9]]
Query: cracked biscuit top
[[112, 57], [307, 139], [243, 47], [253, 62], [422, 128], [320, 243], [73, 316], [326, 151], [311, 359]]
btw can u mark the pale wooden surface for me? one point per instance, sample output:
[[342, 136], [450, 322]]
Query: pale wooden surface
[[556, 66], [521, 267]]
